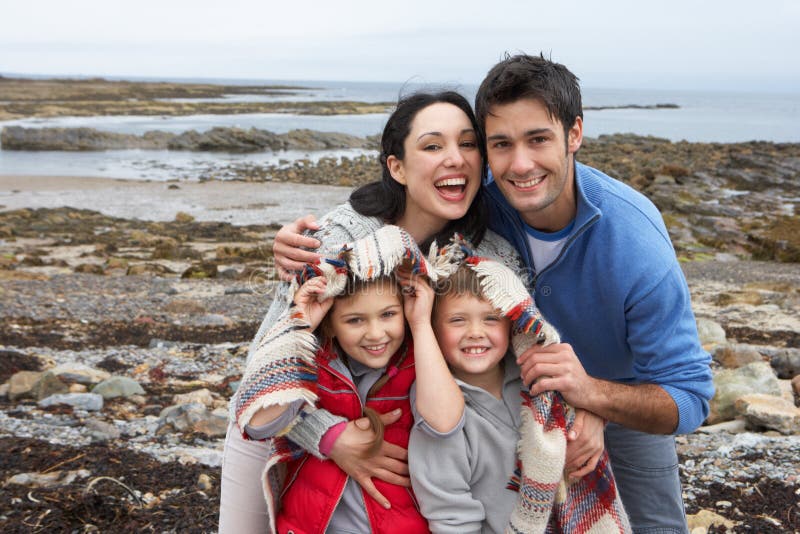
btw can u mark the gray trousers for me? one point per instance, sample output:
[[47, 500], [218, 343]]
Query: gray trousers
[[646, 469]]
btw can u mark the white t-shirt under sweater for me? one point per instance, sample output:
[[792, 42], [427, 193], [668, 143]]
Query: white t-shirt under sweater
[[546, 246]]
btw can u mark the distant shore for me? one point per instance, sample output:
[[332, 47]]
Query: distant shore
[[45, 98], [23, 98]]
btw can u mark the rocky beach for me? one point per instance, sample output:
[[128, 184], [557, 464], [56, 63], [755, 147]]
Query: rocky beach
[[127, 307]]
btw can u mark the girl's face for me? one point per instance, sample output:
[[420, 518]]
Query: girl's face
[[369, 325], [473, 335], [441, 169]]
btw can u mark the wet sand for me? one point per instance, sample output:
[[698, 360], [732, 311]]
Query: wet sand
[[239, 203]]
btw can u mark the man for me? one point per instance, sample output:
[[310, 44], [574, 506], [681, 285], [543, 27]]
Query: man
[[604, 273]]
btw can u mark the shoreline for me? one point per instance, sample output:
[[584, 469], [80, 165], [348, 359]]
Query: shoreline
[[237, 202]]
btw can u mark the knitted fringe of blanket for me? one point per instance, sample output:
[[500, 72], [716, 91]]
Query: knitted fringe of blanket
[[547, 502]]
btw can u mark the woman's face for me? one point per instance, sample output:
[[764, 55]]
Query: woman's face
[[441, 169]]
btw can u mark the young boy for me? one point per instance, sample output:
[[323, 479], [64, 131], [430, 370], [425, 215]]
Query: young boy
[[461, 477], [467, 479]]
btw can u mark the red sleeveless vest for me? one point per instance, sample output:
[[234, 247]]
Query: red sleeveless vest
[[313, 486]]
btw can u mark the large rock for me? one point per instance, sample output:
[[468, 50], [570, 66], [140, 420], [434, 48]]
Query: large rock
[[734, 355], [731, 384], [48, 384], [21, 383], [80, 373], [767, 411], [118, 386], [90, 402], [48, 480], [786, 362], [216, 139], [711, 333], [200, 396], [193, 417]]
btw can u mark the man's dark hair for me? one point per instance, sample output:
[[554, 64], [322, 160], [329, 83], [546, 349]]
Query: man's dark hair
[[534, 77], [387, 198]]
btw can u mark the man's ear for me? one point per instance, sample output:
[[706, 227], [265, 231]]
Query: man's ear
[[396, 169], [575, 136]]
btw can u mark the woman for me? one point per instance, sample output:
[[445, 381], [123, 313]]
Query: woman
[[432, 157]]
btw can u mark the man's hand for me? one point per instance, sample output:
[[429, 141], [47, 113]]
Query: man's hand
[[557, 368], [286, 249], [389, 464], [585, 444]]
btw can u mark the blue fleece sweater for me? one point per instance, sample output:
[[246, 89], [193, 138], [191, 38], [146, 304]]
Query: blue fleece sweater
[[617, 294]]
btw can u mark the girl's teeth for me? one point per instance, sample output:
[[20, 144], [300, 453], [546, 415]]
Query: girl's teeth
[[476, 350]]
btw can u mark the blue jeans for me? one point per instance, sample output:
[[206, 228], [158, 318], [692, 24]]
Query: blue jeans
[[646, 469]]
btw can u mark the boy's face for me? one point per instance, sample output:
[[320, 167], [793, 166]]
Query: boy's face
[[472, 335], [532, 162], [369, 325]]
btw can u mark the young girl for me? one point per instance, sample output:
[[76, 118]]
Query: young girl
[[365, 365]]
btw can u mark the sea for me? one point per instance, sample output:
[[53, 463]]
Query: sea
[[700, 116]]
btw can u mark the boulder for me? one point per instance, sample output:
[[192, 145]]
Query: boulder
[[118, 386], [80, 373], [89, 402], [767, 411], [200, 396], [52, 479], [733, 355], [704, 519], [200, 270], [731, 384], [194, 417], [48, 384], [153, 269], [100, 431], [796, 385], [786, 362], [711, 333], [21, 383]]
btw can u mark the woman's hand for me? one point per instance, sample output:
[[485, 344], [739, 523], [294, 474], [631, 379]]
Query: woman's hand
[[389, 464], [418, 298], [307, 303], [287, 253], [585, 444]]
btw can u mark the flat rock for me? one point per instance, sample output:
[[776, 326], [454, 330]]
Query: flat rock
[[91, 402], [768, 411], [731, 384], [118, 386]]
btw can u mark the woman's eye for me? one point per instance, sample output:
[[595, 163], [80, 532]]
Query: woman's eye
[[469, 144], [431, 147], [353, 320], [389, 314]]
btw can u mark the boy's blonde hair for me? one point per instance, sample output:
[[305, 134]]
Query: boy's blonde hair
[[462, 282]]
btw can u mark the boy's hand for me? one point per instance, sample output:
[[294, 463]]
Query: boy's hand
[[306, 301], [287, 253], [418, 298], [585, 444], [389, 464]]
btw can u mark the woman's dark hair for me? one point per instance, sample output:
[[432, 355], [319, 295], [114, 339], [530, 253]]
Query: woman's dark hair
[[387, 198]]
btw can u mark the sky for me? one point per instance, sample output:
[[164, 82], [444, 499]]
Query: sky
[[736, 45]]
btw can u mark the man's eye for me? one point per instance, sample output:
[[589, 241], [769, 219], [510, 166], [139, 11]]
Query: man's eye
[[500, 144]]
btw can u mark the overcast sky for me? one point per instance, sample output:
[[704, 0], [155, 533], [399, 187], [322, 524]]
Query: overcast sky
[[689, 44]]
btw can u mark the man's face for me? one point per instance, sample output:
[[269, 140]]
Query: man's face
[[532, 162]]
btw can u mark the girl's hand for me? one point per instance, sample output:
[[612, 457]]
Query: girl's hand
[[306, 302], [418, 298]]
